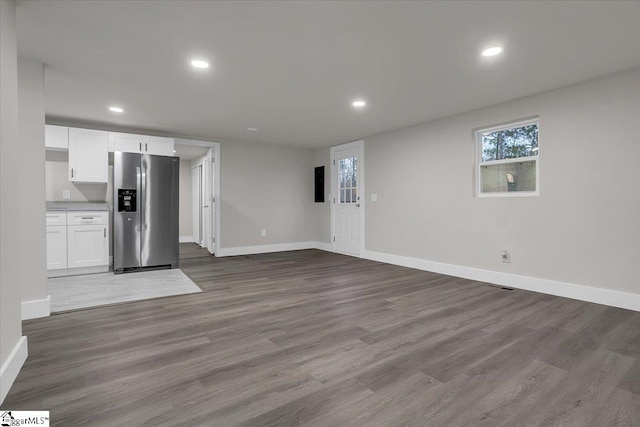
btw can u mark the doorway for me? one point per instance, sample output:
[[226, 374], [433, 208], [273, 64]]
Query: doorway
[[347, 192], [199, 210]]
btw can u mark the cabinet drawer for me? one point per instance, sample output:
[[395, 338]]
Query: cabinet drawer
[[87, 218], [56, 218]]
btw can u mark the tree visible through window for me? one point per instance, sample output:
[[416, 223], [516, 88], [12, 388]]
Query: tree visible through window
[[348, 184], [508, 160], [510, 143]]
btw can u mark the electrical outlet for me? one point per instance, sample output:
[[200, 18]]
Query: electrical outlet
[[505, 256], [263, 233], [66, 194], [374, 197]]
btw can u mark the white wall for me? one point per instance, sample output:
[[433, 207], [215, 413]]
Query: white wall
[[11, 355], [584, 228], [265, 186], [32, 194], [186, 208]]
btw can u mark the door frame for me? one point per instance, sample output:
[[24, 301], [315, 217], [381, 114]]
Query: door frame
[[196, 204], [216, 184], [359, 146]]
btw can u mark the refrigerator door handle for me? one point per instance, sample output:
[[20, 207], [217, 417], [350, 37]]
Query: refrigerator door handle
[[140, 200], [143, 214]]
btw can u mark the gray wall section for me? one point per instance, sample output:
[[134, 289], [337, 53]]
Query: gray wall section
[[186, 208], [10, 164], [33, 264], [265, 186], [584, 227]]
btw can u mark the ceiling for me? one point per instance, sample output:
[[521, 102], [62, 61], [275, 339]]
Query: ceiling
[[291, 69]]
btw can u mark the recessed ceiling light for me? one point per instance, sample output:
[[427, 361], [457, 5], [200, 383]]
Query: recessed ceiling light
[[492, 51], [252, 129], [116, 109], [359, 103], [199, 63]]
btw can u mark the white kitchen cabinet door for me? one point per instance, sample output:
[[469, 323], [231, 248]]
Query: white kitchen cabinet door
[[125, 142], [157, 145], [56, 137], [88, 245], [88, 155], [56, 247]]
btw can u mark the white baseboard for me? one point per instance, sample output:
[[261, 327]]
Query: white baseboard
[[324, 246], [36, 308], [11, 367], [185, 239], [263, 249], [569, 290]]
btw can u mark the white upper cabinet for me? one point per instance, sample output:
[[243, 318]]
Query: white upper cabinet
[[158, 145], [56, 137], [88, 155], [143, 144], [126, 142]]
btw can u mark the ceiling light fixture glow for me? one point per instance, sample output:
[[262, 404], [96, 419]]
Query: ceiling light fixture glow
[[492, 51], [116, 109], [252, 129], [199, 63], [359, 103]]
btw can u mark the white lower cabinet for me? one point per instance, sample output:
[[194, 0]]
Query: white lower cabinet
[[56, 247], [87, 246], [80, 245]]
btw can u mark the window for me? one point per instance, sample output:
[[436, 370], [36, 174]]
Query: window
[[508, 160], [348, 184]]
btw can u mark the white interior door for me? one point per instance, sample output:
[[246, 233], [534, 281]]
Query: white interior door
[[196, 197], [203, 204], [346, 183]]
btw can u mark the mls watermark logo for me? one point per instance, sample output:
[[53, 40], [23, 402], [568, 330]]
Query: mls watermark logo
[[24, 418]]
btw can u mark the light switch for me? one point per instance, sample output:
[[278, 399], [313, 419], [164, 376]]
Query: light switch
[[374, 197], [66, 194]]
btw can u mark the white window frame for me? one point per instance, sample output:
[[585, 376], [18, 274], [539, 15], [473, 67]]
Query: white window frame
[[479, 163]]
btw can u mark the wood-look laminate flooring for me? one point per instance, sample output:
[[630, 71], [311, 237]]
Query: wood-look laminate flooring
[[315, 338]]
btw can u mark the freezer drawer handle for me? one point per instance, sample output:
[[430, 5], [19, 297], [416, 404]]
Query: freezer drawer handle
[[88, 217]]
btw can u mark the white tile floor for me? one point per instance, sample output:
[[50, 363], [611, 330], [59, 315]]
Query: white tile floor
[[91, 290]]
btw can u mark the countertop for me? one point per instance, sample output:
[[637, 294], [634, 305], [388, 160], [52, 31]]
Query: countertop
[[77, 206]]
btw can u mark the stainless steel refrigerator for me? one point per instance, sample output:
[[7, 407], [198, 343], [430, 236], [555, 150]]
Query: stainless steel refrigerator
[[145, 211]]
